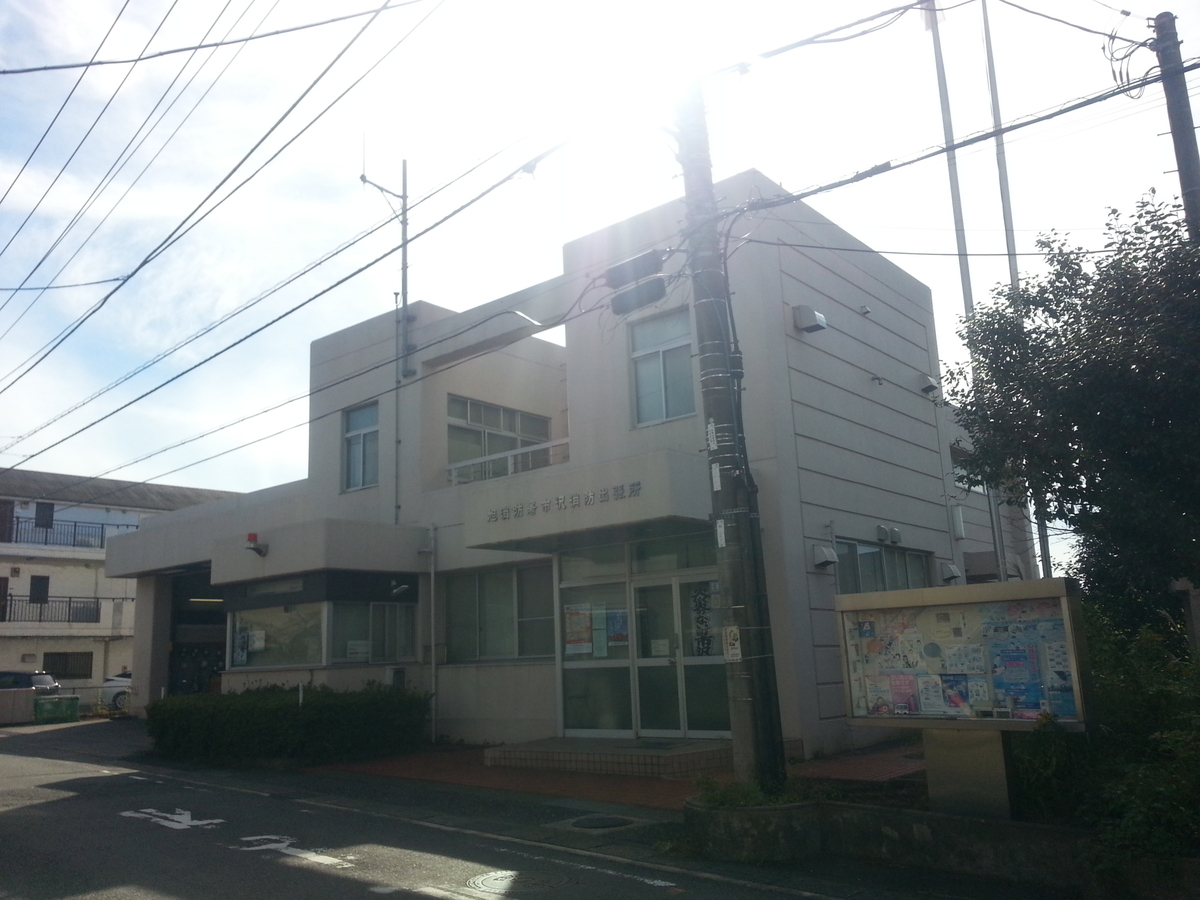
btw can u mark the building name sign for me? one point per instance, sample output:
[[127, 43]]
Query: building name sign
[[611, 494]]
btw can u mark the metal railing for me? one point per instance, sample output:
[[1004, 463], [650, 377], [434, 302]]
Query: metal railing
[[56, 609], [511, 462], [24, 530]]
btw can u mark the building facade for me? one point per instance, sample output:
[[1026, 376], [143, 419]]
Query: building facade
[[523, 528], [59, 611]]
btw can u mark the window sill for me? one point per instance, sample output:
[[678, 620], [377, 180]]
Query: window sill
[[355, 490], [502, 661], [690, 415]]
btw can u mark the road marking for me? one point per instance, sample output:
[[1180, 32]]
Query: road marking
[[181, 819], [573, 851], [283, 844], [653, 882]]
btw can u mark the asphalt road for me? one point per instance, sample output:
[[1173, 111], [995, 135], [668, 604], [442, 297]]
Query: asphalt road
[[81, 819]]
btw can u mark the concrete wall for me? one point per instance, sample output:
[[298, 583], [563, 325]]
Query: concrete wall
[[504, 703]]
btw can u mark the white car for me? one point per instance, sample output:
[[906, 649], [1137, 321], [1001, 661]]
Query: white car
[[114, 693]]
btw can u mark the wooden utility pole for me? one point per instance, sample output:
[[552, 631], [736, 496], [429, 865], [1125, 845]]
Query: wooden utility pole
[[1179, 114], [758, 755]]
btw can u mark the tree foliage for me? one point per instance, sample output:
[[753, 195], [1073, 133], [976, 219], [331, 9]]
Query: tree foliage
[[1084, 390]]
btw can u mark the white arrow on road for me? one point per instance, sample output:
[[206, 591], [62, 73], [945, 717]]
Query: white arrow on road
[[181, 818], [284, 845]]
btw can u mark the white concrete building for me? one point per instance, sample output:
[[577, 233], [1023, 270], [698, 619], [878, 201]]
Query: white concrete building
[[59, 612], [549, 506]]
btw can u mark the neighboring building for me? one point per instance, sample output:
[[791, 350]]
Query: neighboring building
[[58, 610], [551, 505]]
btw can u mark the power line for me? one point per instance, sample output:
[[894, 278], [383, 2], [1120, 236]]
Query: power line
[[60, 287], [566, 317], [70, 94], [92, 63], [1104, 34], [528, 166], [180, 229], [750, 240], [174, 133], [114, 169], [79, 146], [211, 326], [891, 166]]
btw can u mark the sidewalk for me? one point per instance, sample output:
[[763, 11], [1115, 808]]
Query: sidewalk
[[465, 767]]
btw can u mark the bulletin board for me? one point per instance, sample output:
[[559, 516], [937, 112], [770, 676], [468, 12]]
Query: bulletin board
[[980, 656]]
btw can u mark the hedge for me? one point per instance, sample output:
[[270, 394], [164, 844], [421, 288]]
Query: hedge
[[271, 725]]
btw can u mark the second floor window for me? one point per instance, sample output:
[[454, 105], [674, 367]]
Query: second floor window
[[662, 367], [479, 429], [866, 566], [361, 447]]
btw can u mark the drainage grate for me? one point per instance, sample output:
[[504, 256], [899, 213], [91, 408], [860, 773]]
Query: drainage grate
[[602, 822], [517, 882]]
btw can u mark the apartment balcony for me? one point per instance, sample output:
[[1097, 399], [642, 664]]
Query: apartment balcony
[[55, 609], [24, 530], [511, 462]]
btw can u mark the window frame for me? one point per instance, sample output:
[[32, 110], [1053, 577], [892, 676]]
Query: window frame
[[472, 618], [377, 634], [889, 556], [39, 589], [356, 443], [658, 351], [520, 437], [43, 515], [68, 670]]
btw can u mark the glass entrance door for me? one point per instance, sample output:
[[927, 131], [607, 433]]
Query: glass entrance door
[[680, 672], [643, 658]]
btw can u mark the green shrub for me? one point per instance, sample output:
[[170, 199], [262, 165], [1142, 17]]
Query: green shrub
[[270, 724]]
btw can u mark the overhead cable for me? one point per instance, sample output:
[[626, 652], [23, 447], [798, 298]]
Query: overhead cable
[[527, 167], [93, 62], [186, 224]]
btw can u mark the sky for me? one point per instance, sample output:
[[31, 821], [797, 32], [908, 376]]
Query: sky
[[467, 91]]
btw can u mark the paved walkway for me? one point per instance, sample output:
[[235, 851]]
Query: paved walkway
[[465, 767]]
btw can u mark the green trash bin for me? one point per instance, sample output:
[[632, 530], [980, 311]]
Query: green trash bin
[[48, 710]]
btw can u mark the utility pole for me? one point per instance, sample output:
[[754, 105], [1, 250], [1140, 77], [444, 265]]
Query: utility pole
[[1179, 114], [1010, 244], [758, 755], [964, 267]]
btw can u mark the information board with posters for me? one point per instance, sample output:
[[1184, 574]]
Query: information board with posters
[[985, 656]]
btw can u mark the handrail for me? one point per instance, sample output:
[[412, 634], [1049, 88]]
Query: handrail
[[489, 470]]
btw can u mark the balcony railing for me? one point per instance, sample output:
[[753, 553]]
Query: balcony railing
[[511, 462], [23, 530], [56, 609]]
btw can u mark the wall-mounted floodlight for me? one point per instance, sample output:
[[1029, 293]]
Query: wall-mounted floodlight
[[950, 572], [807, 319], [255, 545], [823, 557]]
